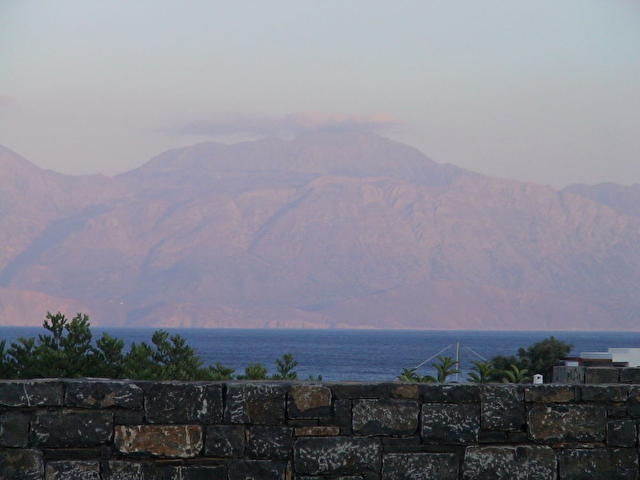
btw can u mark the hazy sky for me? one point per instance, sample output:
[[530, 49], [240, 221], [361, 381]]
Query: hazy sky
[[544, 90]]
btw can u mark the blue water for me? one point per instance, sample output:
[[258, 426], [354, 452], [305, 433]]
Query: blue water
[[363, 355]]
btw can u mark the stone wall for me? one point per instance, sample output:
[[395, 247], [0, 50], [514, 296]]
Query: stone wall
[[113, 430], [596, 375]]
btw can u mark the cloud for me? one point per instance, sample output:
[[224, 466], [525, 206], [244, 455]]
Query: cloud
[[7, 101], [292, 124]]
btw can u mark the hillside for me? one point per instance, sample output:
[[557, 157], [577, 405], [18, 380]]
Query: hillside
[[326, 230]]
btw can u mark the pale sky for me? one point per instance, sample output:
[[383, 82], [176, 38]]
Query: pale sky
[[545, 91]]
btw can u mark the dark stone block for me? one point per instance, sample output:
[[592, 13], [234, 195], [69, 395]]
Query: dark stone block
[[342, 415], [71, 428], [385, 417], [621, 433], [31, 393], [604, 393], [336, 455], [598, 464], [565, 423], [630, 375], [92, 453], [21, 465], [509, 463], [401, 466], [257, 469], [356, 390], [502, 407], [103, 394], [14, 429], [633, 402], [309, 401], [601, 375], [269, 442], [128, 417], [617, 411], [492, 436], [450, 423], [197, 403], [224, 441], [121, 470], [549, 393], [70, 470], [210, 472], [460, 393], [257, 403]]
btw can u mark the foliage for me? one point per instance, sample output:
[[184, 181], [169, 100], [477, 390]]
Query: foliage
[[542, 356], [67, 350], [482, 372], [445, 368], [410, 375], [515, 375]]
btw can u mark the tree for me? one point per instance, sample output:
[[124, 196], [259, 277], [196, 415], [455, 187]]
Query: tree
[[542, 356], [445, 368], [285, 368], [515, 375], [409, 375], [254, 371], [482, 372]]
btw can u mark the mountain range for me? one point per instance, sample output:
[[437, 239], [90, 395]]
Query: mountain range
[[326, 230]]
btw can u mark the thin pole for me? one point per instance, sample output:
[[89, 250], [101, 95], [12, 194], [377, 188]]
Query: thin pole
[[457, 360]]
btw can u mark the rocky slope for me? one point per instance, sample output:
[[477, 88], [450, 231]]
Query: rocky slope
[[326, 230]]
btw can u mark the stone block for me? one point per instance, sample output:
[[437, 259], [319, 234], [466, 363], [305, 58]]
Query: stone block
[[568, 375], [267, 442], [14, 429], [420, 466], [566, 423], [455, 393], [407, 391], [256, 403], [633, 402], [342, 415], [21, 464], [601, 375], [124, 470], [385, 417], [128, 417], [67, 428], [336, 455], [630, 375], [604, 393], [31, 393], [317, 431], [598, 464], [73, 470], [225, 441], [355, 390], [621, 433], [179, 441], [509, 463], [309, 401], [208, 472], [450, 423], [198, 403], [502, 407], [257, 469], [549, 393], [492, 436], [103, 394]]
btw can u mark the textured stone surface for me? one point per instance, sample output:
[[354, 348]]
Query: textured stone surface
[[31, 393], [224, 441], [630, 375], [562, 423], [633, 401], [420, 466], [317, 431], [198, 403], [71, 428], [601, 375], [568, 375], [261, 404], [159, 440], [123, 470], [21, 465], [509, 463], [269, 442], [14, 429], [450, 424], [336, 455], [73, 470], [449, 393], [257, 470], [598, 464], [621, 433], [502, 407], [604, 393], [549, 393], [410, 392], [103, 394], [385, 417], [309, 401]]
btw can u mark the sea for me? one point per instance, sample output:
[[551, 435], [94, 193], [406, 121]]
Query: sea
[[355, 355]]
